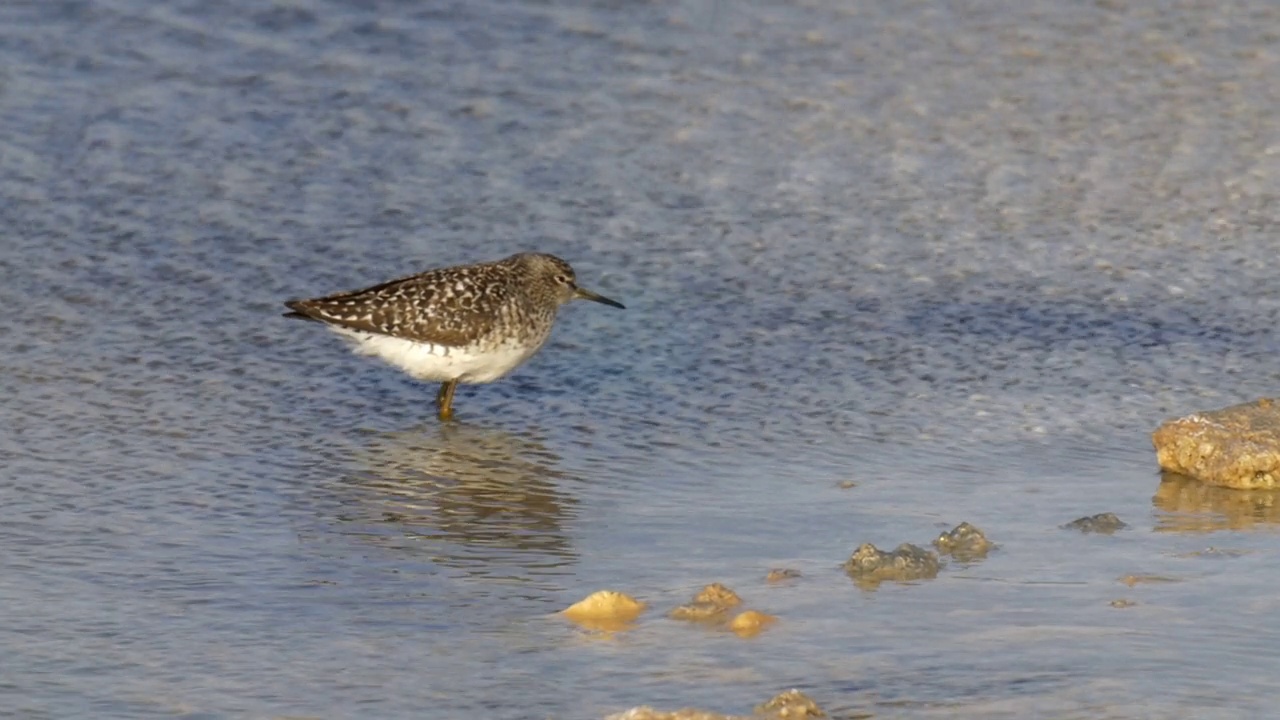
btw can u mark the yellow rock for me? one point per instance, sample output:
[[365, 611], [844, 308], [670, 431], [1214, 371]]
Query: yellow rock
[[790, 704], [648, 713], [605, 610], [749, 623], [717, 594], [1132, 580], [699, 612], [1236, 447]]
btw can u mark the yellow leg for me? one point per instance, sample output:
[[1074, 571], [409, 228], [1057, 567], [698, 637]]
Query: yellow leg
[[444, 399]]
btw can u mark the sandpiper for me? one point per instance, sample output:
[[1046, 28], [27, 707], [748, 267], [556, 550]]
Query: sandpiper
[[464, 324]]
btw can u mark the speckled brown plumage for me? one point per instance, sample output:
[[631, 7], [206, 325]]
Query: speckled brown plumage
[[471, 323], [454, 306]]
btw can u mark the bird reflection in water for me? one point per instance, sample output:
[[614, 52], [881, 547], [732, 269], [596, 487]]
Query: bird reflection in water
[[479, 499], [1197, 507]]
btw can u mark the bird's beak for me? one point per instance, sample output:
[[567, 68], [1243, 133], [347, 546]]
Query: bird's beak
[[585, 294]]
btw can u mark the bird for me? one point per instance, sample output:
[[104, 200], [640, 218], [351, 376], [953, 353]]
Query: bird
[[464, 324]]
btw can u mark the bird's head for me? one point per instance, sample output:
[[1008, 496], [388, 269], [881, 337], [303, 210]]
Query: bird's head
[[555, 277]]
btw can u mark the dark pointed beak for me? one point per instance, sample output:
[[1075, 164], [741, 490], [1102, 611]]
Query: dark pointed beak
[[585, 294]]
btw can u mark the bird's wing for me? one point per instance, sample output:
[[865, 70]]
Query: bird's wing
[[441, 307]]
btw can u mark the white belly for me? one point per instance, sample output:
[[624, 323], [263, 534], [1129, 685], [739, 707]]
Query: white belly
[[439, 363]]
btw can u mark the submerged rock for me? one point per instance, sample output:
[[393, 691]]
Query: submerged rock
[[777, 575], [645, 712], [1132, 580], [869, 564], [1235, 447], [710, 604], [699, 612], [964, 542], [749, 623], [718, 594], [605, 610], [1105, 523], [789, 705]]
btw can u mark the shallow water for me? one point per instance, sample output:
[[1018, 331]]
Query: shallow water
[[967, 258]]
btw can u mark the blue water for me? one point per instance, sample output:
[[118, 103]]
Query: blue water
[[966, 256]]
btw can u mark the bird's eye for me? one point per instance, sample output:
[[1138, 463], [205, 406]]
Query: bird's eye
[[563, 279]]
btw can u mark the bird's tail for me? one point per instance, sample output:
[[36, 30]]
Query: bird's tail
[[299, 308]]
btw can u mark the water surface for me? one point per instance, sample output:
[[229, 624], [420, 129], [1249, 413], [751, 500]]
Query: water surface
[[967, 257]]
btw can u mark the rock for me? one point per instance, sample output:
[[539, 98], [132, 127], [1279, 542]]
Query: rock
[[699, 612], [647, 713], [1105, 523], [790, 704], [710, 604], [777, 575], [605, 610], [1235, 447], [871, 566], [965, 543], [749, 623], [1132, 580], [718, 594]]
